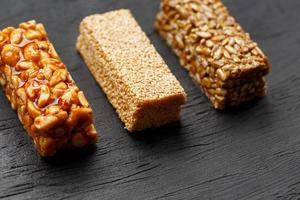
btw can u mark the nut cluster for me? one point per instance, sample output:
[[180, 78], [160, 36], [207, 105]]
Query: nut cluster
[[38, 85], [212, 46]]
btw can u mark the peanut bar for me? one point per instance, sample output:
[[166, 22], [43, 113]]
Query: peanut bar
[[219, 55], [52, 109]]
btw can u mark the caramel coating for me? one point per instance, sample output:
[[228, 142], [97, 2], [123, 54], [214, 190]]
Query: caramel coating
[[39, 87]]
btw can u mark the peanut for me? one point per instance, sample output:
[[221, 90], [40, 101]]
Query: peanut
[[21, 113], [40, 27], [22, 97], [28, 25], [15, 81], [80, 114], [68, 98], [58, 76], [52, 52], [44, 123], [31, 52], [24, 65], [16, 36], [13, 101], [44, 96], [33, 35], [32, 88], [3, 39], [82, 99], [52, 110], [7, 72], [43, 45], [8, 30], [10, 54], [59, 89], [32, 110]]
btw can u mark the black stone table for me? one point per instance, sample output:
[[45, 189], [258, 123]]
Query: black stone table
[[251, 152]]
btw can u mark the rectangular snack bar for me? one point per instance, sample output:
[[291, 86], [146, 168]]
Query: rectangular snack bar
[[135, 78], [220, 56], [50, 106]]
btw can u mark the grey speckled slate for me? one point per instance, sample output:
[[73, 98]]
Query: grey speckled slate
[[252, 152]]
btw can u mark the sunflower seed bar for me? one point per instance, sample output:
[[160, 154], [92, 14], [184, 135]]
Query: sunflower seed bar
[[135, 78], [50, 106], [220, 56]]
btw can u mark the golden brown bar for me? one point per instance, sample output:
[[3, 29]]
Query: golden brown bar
[[50, 106], [135, 78], [220, 56]]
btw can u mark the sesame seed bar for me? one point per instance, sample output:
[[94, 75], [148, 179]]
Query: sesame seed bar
[[52, 109], [135, 78], [218, 54]]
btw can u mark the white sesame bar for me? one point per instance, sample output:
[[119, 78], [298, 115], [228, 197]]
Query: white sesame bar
[[219, 55], [135, 78]]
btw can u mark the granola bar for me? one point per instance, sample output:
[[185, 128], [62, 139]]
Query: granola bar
[[52, 109], [219, 55], [135, 78]]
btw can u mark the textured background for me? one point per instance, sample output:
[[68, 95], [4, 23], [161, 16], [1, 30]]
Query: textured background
[[252, 152]]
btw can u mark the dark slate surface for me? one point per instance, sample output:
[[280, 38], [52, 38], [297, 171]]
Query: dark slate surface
[[252, 152]]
